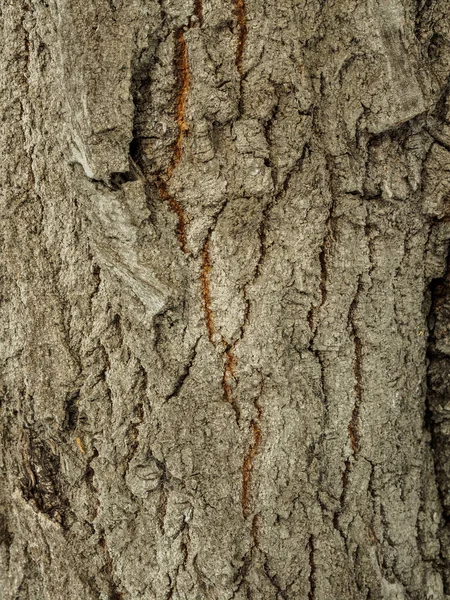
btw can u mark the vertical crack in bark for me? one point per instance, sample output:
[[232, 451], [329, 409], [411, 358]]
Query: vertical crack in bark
[[323, 260], [353, 426], [228, 374], [254, 532], [247, 468], [162, 510], [274, 580], [198, 11], [241, 16], [312, 569], [241, 19], [26, 74], [324, 267], [183, 85], [229, 357], [108, 569], [89, 475], [183, 75], [175, 206], [345, 478], [170, 592], [206, 288], [262, 239], [184, 375], [132, 433], [436, 413], [185, 543], [138, 414], [324, 254]]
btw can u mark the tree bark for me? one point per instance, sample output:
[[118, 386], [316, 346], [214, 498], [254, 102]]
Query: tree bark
[[225, 300]]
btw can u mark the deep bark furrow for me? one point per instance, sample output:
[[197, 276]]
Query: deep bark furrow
[[205, 278], [248, 465], [241, 18], [353, 426]]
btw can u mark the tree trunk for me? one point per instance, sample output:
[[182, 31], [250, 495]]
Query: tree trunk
[[225, 300]]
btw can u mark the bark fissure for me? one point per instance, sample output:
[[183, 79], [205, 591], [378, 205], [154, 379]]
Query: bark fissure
[[249, 459], [241, 17], [353, 426], [436, 418], [274, 581], [108, 569], [215, 337], [183, 84], [324, 254], [312, 569], [183, 76], [198, 11], [205, 277]]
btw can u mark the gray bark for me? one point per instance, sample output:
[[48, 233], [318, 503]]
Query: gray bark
[[225, 300]]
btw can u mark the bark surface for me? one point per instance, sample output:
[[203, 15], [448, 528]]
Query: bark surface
[[225, 300]]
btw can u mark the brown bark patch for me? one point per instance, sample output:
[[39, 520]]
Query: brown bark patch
[[198, 11], [241, 17]]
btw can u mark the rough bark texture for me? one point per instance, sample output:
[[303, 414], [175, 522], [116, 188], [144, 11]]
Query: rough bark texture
[[225, 300]]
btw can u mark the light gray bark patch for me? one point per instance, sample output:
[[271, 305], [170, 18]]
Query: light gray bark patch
[[115, 219], [95, 49]]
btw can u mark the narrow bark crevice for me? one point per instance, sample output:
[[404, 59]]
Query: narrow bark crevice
[[345, 479], [241, 17], [324, 254], [228, 376], [183, 84], [132, 434], [206, 288], [183, 75], [254, 532], [436, 416], [89, 475], [108, 570], [198, 11], [248, 465], [26, 50], [312, 569], [229, 356], [274, 581], [183, 78], [162, 510], [71, 409], [353, 426]]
